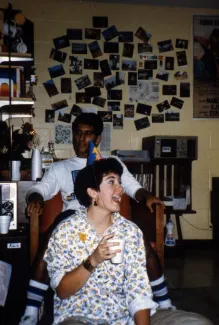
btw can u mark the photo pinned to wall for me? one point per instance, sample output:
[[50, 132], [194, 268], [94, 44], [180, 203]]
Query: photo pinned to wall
[[181, 43], [93, 91], [115, 94], [49, 116], [184, 89], [98, 79], [144, 109], [60, 105], [148, 91], [132, 78], [129, 65], [125, 37], [74, 34], [114, 62], [181, 59], [162, 75], [142, 123], [79, 48], [75, 110], [129, 111], [141, 64], [106, 138], [64, 117], [111, 47], [89, 110], [113, 106], [117, 121], [83, 82], [50, 88], [169, 90], [66, 87], [91, 64], [144, 49], [58, 55], [75, 64], [161, 60], [82, 98], [169, 63], [92, 33], [133, 94], [172, 117], [105, 116], [110, 33], [163, 106], [177, 102], [145, 74], [63, 134], [181, 75], [157, 118], [120, 78], [105, 68], [128, 50], [150, 62], [99, 101], [95, 49], [143, 35], [61, 42], [100, 21], [110, 82], [56, 71], [165, 46]]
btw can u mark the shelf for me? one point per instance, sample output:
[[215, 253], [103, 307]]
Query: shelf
[[168, 210], [20, 107], [4, 57], [4, 101]]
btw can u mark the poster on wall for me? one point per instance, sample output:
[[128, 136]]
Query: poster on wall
[[206, 66]]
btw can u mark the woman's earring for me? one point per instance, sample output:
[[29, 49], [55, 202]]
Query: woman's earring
[[95, 203]]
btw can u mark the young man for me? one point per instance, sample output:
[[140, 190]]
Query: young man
[[61, 177]]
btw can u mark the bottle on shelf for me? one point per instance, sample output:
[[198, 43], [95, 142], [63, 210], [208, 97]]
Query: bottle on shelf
[[47, 159]]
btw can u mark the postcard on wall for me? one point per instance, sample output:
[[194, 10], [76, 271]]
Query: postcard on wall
[[143, 35], [58, 55], [93, 91], [125, 37], [145, 74], [100, 21], [142, 123], [63, 134], [79, 48], [114, 62], [64, 117], [148, 91], [129, 111], [157, 118], [89, 110], [162, 75], [172, 117], [82, 98], [95, 49], [150, 62], [163, 106], [115, 94], [92, 33], [56, 71], [113, 106], [117, 121], [99, 101], [133, 94], [5, 277], [49, 116], [181, 75], [110, 33], [60, 105], [177, 102], [110, 82], [169, 63], [111, 47], [75, 110], [75, 64], [120, 78], [98, 79], [50, 88], [106, 138], [181, 44], [74, 34], [144, 109], [128, 50], [184, 89], [165, 46], [91, 64], [169, 89], [61, 42], [66, 86], [83, 82], [132, 79], [129, 65], [181, 59], [105, 68], [105, 116], [143, 49]]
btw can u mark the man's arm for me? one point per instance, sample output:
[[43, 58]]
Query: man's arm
[[142, 317], [143, 194]]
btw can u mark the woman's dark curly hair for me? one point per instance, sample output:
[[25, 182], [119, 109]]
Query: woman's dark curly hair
[[91, 177]]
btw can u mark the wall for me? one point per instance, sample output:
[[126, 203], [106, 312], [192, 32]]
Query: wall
[[51, 18]]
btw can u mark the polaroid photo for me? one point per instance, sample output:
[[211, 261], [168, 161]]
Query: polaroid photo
[[165, 46], [83, 82], [105, 116], [60, 105], [115, 94], [169, 89], [105, 68], [176, 102], [129, 111], [99, 101], [144, 48], [92, 91], [129, 65], [98, 79], [50, 88], [133, 94], [128, 50], [91, 64], [74, 34], [144, 109], [75, 64], [79, 48], [63, 134], [95, 49], [75, 110], [66, 87], [111, 47], [82, 98], [114, 62], [64, 117], [181, 75], [162, 75], [145, 74], [143, 35], [113, 106], [161, 61], [157, 118], [110, 33], [181, 44], [142, 123], [125, 37], [132, 78], [58, 55], [150, 62], [169, 63], [120, 78], [172, 117], [49, 116], [117, 121], [163, 106], [61, 42], [92, 33], [184, 89], [100, 22], [110, 82], [56, 71], [181, 58]]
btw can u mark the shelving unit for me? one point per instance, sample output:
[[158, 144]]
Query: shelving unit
[[4, 57]]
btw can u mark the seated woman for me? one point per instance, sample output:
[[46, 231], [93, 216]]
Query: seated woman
[[89, 288]]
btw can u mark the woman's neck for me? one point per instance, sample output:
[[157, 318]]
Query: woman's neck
[[101, 220]]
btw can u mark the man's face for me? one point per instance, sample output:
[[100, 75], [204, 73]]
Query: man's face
[[81, 138]]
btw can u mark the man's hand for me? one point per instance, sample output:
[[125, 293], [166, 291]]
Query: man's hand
[[35, 204], [152, 200]]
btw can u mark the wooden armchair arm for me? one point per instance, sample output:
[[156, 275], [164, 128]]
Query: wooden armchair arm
[[34, 234], [160, 232]]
